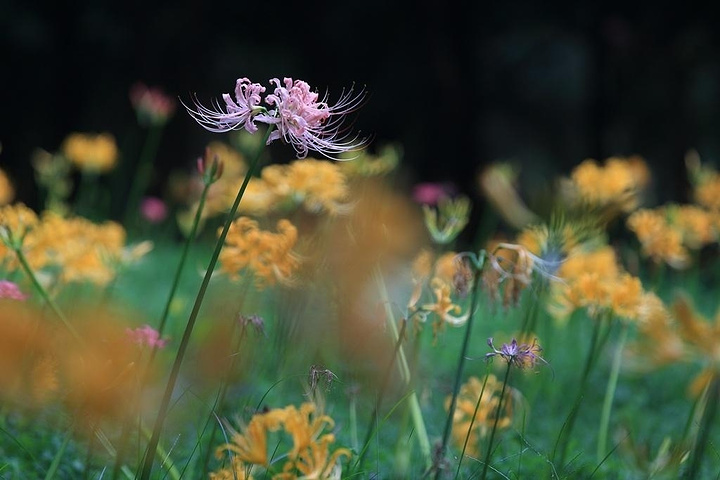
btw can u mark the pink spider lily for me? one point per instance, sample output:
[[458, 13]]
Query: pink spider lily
[[308, 123], [237, 114]]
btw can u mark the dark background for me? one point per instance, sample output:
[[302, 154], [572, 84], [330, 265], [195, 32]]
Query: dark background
[[458, 85]]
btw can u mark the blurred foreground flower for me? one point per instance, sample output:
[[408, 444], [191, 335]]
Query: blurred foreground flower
[[91, 153], [497, 183], [146, 336], [10, 290]]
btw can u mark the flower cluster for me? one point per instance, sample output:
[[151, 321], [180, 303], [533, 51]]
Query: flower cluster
[[91, 153], [269, 255], [615, 184], [67, 249], [297, 114], [678, 334], [477, 409], [309, 457], [96, 379], [317, 186], [146, 336], [667, 233]]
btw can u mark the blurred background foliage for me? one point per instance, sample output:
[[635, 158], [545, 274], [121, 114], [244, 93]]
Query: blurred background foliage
[[458, 85]]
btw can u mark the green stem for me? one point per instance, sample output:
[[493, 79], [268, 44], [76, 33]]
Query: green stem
[[44, 294], [143, 172], [58, 456], [461, 364], [711, 406], [566, 430], [165, 456], [415, 410], [174, 373], [381, 394], [610, 395], [183, 259], [472, 423], [495, 423]]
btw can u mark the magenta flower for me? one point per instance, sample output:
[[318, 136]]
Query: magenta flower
[[153, 107], [238, 114], [521, 355], [308, 123], [146, 335], [430, 193], [11, 291], [153, 209]]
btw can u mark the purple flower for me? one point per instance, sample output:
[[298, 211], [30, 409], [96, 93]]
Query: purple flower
[[521, 355], [11, 291], [308, 123], [240, 113]]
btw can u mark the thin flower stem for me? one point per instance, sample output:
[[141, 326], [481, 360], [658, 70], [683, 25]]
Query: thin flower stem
[[220, 402], [566, 430], [472, 423], [172, 380], [143, 172], [44, 294], [461, 362], [181, 264], [58, 456], [381, 394], [708, 417], [610, 394], [495, 424], [415, 410]]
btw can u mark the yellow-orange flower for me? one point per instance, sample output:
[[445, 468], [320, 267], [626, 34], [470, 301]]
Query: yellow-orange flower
[[7, 192], [483, 420], [269, 255], [91, 153], [615, 183]]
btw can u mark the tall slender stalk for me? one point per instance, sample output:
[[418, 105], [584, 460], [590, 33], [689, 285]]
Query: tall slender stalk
[[708, 417], [472, 422], [566, 430], [143, 172], [610, 395], [461, 362], [495, 423], [165, 403], [415, 410], [44, 294]]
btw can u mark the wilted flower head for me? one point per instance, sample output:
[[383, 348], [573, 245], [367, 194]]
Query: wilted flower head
[[447, 220], [238, 114], [10, 290], [522, 355]]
